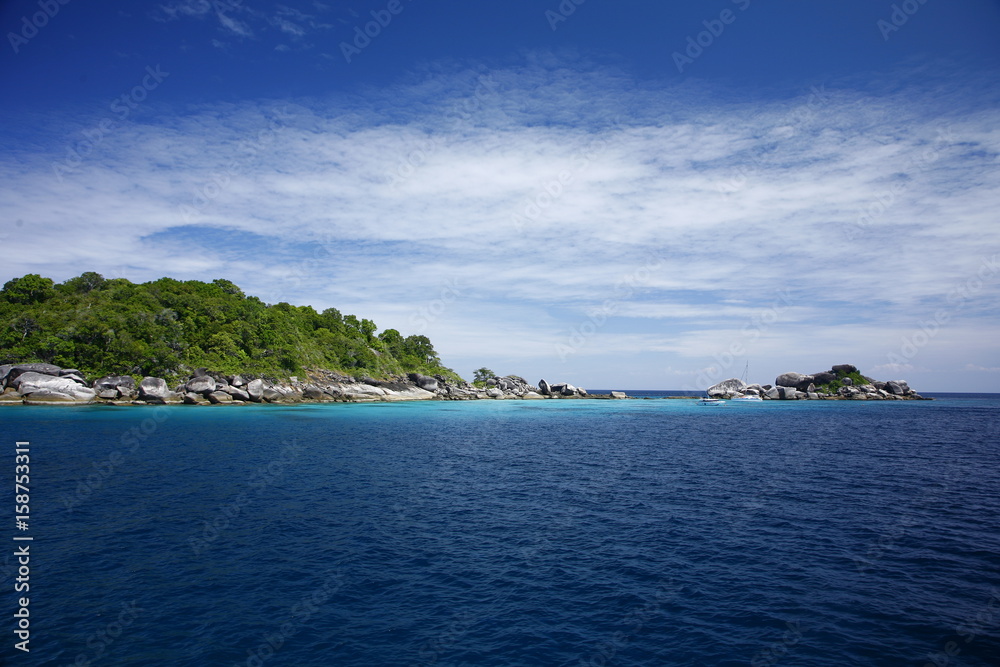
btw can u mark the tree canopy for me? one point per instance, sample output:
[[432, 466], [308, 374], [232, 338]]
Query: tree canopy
[[482, 375], [169, 327]]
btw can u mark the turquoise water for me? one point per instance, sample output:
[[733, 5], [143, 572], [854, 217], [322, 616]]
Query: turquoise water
[[641, 532]]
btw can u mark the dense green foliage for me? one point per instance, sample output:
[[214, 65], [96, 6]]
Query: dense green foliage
[[832, 387], [167, 328], [481, 376]]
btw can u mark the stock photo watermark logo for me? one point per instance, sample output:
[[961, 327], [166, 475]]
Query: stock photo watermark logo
[[219, 181], [101, 639], [431, 651], [381, 18], [553, 188], [818, 98], [958, 297], [297, 616], [696, 44], [756, 327], [889, 538], [561, 13], [430, 312], [624, 289], [131, 440], [779, 649], [885, 200], [30, 26], [121, 108], [264, 477], [899, 17], [458, 112], [634, 623], [968, 631]]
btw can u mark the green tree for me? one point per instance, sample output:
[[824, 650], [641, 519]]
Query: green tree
[[481, 375], [28, 289], [368, 328], [85, 283], [392, 342], [167, 327]]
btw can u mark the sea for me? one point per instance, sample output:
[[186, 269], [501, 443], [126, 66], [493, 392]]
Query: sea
[[560, 532]]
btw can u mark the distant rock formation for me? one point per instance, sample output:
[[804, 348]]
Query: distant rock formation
[[727, 388], [843, 381]]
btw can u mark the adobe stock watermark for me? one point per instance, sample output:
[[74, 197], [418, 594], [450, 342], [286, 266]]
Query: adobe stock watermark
[[885, 200], [696, 44], [381, 18], [258, 482], [431, 651], [297, 616], [818, 98], [552, 189], [121, 107], [968, 631], [101, 639], [562, 13], [776, 651], [457, 113], [306, 270], [30, 26], [958, 297], [633, 623], [758, 325], [219, 181], [130, 441], [624, 289], [888, 538], [430, 312], [899, 17]]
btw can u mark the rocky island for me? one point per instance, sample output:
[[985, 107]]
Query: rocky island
[[843, 381], [48, 384]]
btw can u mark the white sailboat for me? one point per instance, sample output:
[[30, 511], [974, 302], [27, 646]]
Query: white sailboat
[[749, 398]]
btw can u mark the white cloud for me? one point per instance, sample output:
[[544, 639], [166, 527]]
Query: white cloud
[[247, 22], [234, 25], [982, 369], [550, 194]]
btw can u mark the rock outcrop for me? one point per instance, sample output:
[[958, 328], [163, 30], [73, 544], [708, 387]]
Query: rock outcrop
[[46, 383], [38, 387], [728, 388], [795, 380], [842, 381], [112, 387], [154, 390]]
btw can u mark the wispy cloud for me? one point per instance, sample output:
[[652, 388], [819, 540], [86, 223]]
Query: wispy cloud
[[982, 369], [236, 19], [742, 200], [234, 25]]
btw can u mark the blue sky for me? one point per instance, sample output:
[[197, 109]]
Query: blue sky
[[614, 194]]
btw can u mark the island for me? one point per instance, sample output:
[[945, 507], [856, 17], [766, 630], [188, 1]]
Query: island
[[841, 382], [110, 341], [48, 384]]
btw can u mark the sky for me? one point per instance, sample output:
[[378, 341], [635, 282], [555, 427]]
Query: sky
[[619, 195]]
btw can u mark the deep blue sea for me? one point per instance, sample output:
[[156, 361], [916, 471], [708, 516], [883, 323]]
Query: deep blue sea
[[641, 532]]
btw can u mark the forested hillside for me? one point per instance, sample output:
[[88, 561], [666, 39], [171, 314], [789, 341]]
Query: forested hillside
[[169, 327]]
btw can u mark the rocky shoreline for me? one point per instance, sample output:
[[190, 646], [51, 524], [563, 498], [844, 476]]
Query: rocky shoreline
[[47, 384], [841, 382]]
